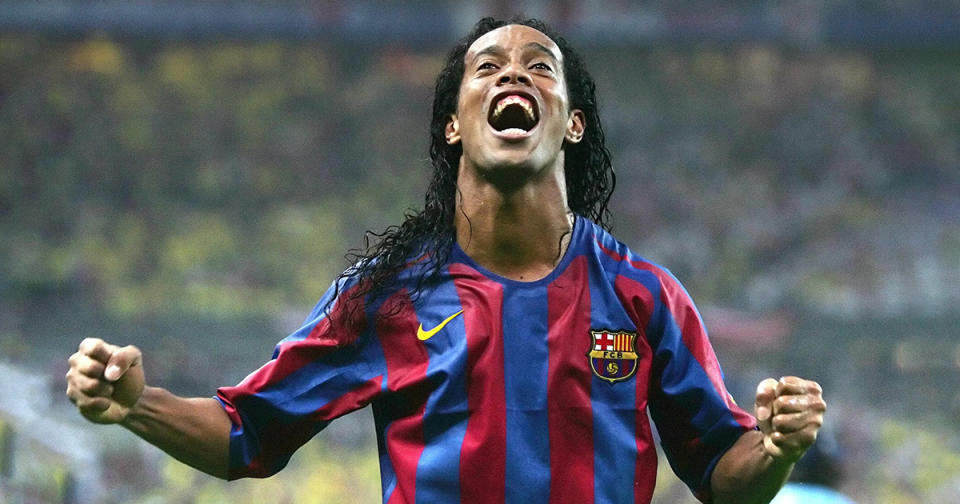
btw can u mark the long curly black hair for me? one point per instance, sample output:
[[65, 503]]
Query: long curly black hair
[[430, 233]]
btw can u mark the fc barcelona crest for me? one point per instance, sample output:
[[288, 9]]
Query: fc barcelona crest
[[613, 355]]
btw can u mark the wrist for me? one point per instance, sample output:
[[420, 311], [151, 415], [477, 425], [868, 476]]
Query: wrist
[[141, 409]]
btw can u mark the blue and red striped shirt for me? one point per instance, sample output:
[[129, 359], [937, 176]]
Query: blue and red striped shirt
[[490, 390]]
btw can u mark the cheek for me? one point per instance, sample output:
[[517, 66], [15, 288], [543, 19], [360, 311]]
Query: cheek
[[557, 102], [468, 101]]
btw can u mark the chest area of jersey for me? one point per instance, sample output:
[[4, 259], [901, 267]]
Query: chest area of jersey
[[571, 338]]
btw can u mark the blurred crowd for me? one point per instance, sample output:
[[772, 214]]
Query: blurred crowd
[[765, 177]]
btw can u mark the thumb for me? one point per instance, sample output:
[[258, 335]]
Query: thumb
[[121, 360], [763, 404]]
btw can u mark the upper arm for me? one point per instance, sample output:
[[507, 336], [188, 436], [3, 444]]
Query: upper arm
[[320, 372], [695, 414]]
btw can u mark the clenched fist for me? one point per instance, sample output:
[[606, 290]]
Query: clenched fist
[[789, 413], [105, 381]]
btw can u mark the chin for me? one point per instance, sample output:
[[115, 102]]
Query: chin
[[512, 170]]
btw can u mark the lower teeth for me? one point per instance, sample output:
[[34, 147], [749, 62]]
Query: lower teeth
[[513, 131]]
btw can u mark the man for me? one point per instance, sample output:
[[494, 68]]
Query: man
[[509, 346]]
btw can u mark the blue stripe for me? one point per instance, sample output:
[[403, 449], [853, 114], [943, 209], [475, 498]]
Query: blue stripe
[[388, 477], [446, 412], [525, 363], [614, 405]]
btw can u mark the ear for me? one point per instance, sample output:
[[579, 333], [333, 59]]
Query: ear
[[452, 131], [576, 124]]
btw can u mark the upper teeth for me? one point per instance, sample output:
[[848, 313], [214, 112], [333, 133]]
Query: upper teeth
[[514, 100]]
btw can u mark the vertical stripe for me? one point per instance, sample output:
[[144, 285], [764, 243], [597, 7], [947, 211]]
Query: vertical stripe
[[483, 454], [569, 379], [446, 414], [525, 378], [616, 408], [637, 299], [407, 386]]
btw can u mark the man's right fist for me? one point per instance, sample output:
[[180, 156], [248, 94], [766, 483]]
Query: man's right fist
[[105, 381]]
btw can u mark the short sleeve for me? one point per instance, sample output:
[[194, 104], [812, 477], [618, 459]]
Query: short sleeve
[[696, 417], [325, 369]]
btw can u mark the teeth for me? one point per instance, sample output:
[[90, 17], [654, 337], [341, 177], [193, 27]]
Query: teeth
[[514, 100]]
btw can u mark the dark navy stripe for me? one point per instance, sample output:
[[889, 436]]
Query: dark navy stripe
[[446, 413], [614, 405], [525, 379]]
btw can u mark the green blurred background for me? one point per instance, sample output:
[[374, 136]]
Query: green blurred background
[[187, 177]]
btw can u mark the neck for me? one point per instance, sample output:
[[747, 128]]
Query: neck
[[518, 232]]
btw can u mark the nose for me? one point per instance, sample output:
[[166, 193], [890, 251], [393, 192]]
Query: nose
[[514, 74]]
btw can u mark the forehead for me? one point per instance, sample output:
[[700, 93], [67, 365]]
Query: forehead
[[511, 37]]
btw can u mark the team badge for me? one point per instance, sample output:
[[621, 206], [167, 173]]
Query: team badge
[[613, 355]]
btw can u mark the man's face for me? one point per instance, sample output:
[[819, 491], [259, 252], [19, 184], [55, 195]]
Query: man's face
[[513, 111]]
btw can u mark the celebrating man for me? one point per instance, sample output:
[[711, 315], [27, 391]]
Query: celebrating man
[[510, 347]]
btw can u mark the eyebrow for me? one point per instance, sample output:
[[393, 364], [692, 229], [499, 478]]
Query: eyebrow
[[542, 48], [497, 50]]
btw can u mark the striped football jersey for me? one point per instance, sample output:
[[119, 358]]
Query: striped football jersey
[[490, 390]]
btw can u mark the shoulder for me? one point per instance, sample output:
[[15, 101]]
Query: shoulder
[[613, 253]]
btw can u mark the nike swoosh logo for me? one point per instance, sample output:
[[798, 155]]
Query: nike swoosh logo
[[425, 335]]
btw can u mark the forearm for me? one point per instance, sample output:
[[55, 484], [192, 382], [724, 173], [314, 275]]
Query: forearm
[[746, 474], [195, 431]]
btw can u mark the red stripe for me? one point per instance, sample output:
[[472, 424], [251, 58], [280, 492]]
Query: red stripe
[[483, 453], [569, 411], [407, 361], [638, 301]]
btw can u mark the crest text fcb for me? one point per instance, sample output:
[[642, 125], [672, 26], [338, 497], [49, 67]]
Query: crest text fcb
[[613, 355]]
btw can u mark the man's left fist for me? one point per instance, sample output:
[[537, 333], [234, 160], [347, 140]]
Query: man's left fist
[[789, 413]]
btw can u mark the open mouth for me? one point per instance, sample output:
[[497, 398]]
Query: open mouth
[[513, 113]]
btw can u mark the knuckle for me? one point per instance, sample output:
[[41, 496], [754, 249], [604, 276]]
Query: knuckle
[[779, 422], [89, 344], [91, 368], [817, 423], [815, 388], [94, 405], [90, 386], [132, 350], [87, 388]]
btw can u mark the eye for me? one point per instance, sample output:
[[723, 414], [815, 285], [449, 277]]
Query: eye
[[542, 66], [486, 65]]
